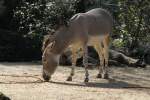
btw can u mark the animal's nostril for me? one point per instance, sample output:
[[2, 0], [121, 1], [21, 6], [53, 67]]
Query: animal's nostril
[[46, 77]]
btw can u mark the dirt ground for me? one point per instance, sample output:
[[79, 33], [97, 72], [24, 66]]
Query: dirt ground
[[22, 81]]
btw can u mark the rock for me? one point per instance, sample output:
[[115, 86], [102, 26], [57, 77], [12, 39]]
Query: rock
[[147, 56], [4, 97]]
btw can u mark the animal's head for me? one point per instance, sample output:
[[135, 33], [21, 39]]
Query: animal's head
[[52, 48], [50, 61]]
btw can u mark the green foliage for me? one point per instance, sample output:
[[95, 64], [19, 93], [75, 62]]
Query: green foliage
[[34, 18], [133, 20], [118, 43], [31, 20], [57, 13], [29, 16], [41, 16]]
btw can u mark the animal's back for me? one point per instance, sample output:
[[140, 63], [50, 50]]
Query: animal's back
[[100, 22], [95, 22]]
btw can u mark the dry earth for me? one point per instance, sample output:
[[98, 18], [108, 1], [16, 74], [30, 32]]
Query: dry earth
[[22, 81]]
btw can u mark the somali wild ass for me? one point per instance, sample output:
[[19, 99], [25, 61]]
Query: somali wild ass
[[90, 28]]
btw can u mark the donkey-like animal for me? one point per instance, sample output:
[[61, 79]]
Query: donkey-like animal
[[90, 28]]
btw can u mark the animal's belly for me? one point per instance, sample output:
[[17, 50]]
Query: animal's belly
[[92, 40], [95, 40]]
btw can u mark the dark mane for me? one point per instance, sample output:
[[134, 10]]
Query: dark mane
[[47, 39]]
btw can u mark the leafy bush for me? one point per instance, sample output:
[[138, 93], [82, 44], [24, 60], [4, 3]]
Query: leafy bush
[[118, 43], [133, 20], [34, 18]]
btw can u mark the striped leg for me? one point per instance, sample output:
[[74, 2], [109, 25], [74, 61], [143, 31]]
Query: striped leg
[[99, 50], [106, 56], [74, 58], [85, 62]]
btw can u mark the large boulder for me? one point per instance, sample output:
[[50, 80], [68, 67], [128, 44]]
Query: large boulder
[[115, 58]]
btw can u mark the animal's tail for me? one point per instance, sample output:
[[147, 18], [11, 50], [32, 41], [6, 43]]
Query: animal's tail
[[107, 39]]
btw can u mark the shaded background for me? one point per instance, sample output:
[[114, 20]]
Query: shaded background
[[23, 23]]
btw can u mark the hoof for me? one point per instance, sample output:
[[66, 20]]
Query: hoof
[[69, 79], [46, 77], [99, 76], [86, 80], [106, 76]]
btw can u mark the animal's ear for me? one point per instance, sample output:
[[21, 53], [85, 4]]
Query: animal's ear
[[62, 21], [67, 23]]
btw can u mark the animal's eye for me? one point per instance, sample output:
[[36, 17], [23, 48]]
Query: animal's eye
[[52, 44]]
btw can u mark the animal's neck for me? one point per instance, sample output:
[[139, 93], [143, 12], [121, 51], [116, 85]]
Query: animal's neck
[[61, 42]]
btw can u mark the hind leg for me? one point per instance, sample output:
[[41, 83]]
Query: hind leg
[[106, 56], [99, 50]]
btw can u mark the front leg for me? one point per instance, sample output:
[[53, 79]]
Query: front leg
[[74, 58], [85, 62]]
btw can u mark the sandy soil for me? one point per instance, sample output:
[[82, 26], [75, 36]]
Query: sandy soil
[[22, 81]]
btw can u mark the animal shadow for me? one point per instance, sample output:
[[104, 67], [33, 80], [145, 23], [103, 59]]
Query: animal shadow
[[112, 83]]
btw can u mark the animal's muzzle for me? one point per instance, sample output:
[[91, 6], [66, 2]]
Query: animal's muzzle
[[46, 77]]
